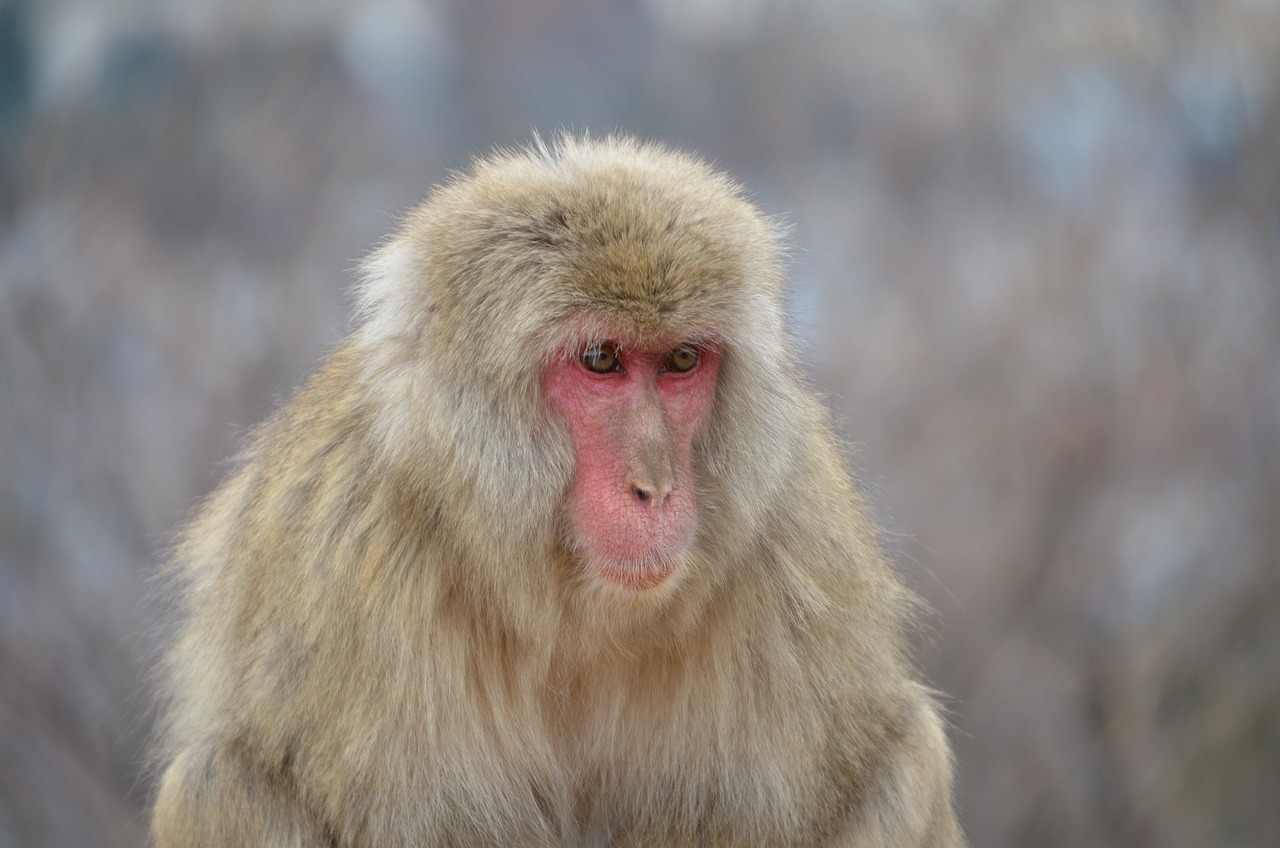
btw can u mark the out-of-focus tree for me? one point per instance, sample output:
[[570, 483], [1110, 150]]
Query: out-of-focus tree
[[1038, 266]]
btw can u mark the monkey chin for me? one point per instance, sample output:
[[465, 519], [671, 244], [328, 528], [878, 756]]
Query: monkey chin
[[644, 576], [648, 573]]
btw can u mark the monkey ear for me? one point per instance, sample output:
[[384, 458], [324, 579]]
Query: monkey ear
[[391, 293]]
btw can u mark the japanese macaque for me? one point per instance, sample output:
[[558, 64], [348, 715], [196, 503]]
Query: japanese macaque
[[556, 549]]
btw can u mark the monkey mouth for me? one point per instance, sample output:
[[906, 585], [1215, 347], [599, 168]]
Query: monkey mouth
[[630, 558], [636, 576], [643, 574]]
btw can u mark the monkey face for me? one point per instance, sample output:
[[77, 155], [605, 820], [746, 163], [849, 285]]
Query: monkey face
[[632, 415]]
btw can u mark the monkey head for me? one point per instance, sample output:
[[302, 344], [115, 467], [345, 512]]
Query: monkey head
[[603, 319]]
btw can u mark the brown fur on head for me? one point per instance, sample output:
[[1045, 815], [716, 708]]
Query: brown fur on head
[[396, 632], [521, 260]]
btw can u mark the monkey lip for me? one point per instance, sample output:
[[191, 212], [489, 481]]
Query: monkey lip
[[638, 561], [637, 555], [639, 577]]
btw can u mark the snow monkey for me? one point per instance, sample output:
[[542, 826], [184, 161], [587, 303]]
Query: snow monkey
[[557, 548]]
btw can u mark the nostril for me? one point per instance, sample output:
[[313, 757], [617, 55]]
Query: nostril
[[642, 495]]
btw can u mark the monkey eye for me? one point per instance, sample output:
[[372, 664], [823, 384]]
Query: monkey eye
[[601, 358], [683, 358]]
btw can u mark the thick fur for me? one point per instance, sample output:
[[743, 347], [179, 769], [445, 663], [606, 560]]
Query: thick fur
[[387, 640]]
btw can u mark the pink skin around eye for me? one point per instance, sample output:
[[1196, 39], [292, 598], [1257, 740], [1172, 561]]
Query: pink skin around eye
[[632, 505]]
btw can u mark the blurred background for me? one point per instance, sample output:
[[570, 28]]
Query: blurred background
[[1037, 271]]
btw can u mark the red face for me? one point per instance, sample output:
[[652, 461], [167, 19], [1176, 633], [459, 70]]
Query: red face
[[632, 416]]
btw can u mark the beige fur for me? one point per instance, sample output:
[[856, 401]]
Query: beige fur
[[386, 641]]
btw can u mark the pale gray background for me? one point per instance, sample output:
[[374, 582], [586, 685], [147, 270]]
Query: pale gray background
[[1038, 272]]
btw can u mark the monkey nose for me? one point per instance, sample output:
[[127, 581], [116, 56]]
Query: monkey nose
[[650, 474], [650, 495]]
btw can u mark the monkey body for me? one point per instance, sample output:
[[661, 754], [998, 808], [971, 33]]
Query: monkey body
[[464, 591]]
